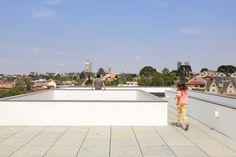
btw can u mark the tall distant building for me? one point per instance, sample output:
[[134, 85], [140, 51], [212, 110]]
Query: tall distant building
[[186, 63], [88, 66], [125, 71], [178, 65]]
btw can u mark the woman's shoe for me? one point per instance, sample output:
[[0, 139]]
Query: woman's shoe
[[186, 127], [177, 124]]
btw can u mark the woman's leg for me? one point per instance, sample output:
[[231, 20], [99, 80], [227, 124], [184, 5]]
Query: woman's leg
[[184, 112], [178, 113]]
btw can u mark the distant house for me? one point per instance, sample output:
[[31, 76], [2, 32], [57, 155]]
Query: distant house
[[223, 85], [197, 83], [231, 87], [203, 74], [220, 74], [129, 84], [233, 75], [110, 76], [213, 87], [6, 86], [208, 75], [51, 84], [211, 74], [42, 84], [68, 83]]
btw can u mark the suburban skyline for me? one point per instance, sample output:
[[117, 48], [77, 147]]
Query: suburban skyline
[[60, 35]]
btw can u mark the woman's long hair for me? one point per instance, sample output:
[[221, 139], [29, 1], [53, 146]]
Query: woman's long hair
[[183, 87]]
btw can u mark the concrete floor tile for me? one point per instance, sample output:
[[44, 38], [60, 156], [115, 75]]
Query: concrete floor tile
[[97, 142], [94, 150], [30, 151], [126, 156], [206, 142], [7, 150], [179, 142], [218, 150], [125, 150], [78, 129], [124, 142], [121, 129], [123, 136], [188, 151], [62, 151], [156, 151], [151, 142]]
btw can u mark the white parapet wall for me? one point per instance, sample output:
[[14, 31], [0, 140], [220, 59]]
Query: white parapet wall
[[216, 111], [85, 107], [146, 89]]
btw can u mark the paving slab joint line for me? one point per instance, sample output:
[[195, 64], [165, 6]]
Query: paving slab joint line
[[14, 134], [110, 141], [165, 141], [191, 141], [83, 141], [28, 141], [215, 139], [137, 142], [56, 140]]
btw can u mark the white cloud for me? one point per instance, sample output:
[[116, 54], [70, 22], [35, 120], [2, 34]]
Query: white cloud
[[4, 60], [44, 14], [58, 2], [37, 50], [137, 57], [185, 9], [61, 65], [42, 51], [200, 31], [54, 2], [190, 30], [58, 53], [162, 4]]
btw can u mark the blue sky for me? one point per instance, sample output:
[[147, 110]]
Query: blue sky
[[59, 35]]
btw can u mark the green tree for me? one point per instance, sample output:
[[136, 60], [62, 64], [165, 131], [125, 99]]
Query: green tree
[[101, 71], [169, 79], [20, 85], [12, 92], [157, 80], [184, 70], [64, 78], [227, 69], [147, 71], [144, 81], [113, 82], [82, 75], [204, 69], [165, 71], [129, 78], [28, 84]]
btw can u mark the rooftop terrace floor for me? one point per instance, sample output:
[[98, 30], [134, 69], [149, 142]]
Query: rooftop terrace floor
[[115, 141]]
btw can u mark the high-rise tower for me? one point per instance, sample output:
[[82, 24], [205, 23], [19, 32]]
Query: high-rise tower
[[88, 66]]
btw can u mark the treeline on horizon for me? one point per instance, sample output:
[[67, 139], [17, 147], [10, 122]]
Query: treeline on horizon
[[148, 76]]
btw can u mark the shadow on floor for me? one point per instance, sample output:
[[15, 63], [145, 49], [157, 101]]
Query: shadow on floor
[[175, 124]]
